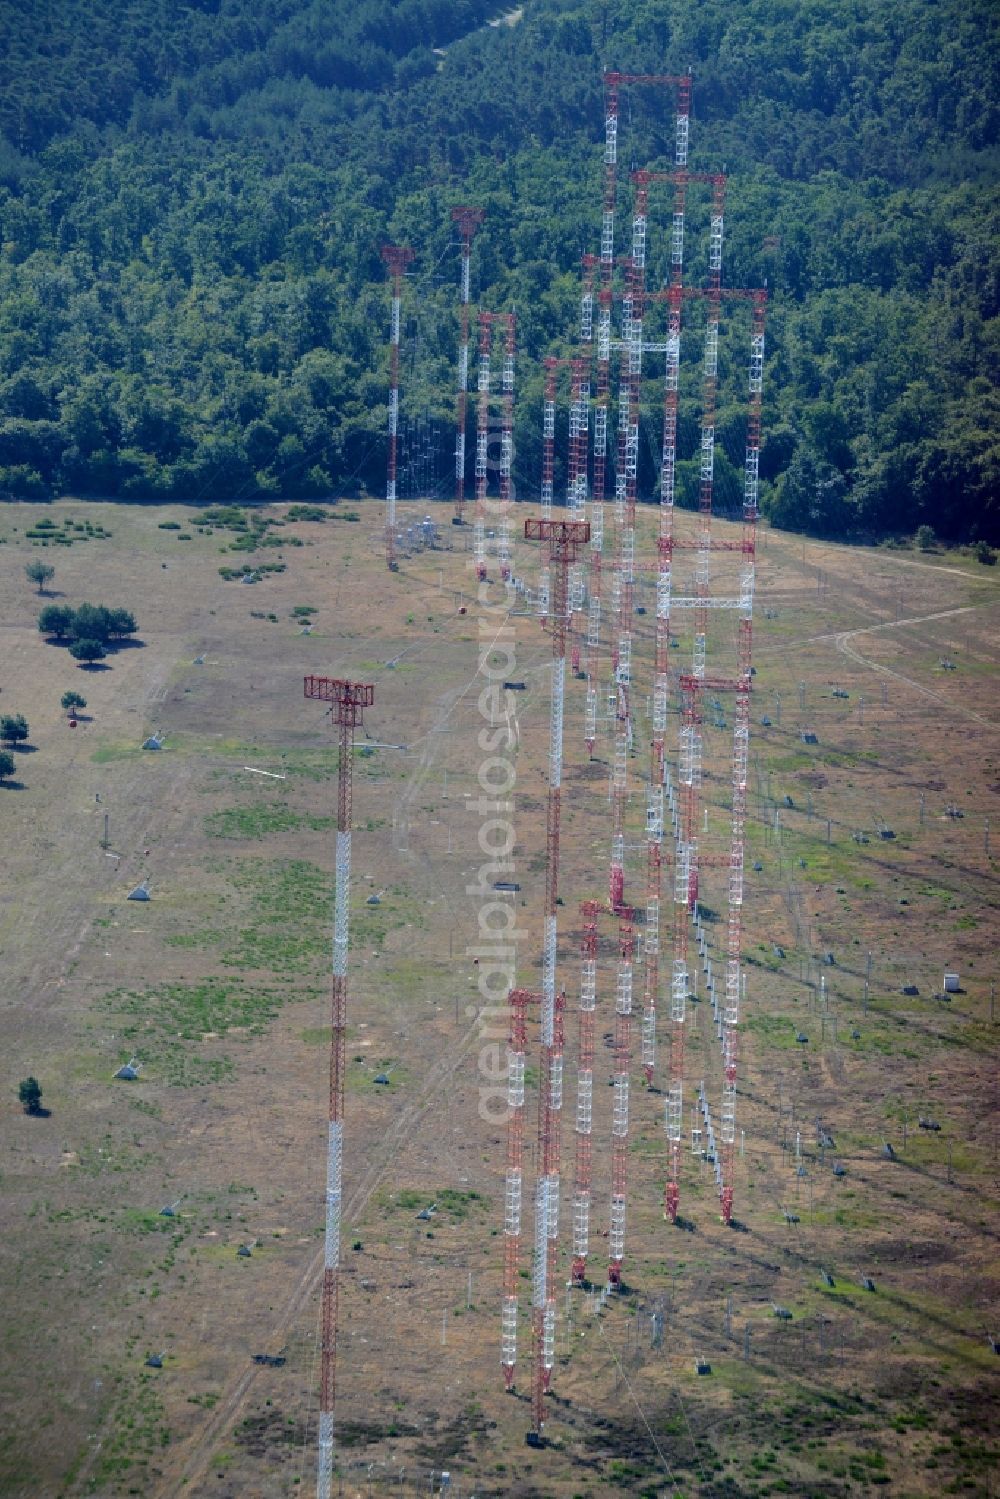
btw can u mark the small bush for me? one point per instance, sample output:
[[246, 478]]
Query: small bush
[[14, 728], [30, 1095]]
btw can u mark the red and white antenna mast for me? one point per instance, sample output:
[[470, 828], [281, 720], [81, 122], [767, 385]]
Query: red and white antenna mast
[[564, 538], [690, 757], [519, 999], [741, 737], [576, 475], [509, 320], [585, 1095], [590, 266], [620, 1107], [654, 803], [626, 477], [626, 482], [482, 441], [468, 221], [397, 258], [348, 701], [576, 465]]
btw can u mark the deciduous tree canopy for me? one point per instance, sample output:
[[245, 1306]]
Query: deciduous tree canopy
[[192, 201]]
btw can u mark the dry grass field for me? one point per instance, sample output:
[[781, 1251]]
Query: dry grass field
[[218, 987]]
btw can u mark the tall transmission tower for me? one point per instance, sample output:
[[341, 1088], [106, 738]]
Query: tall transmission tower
[[487, 321], [564, 538], [614, 82], [504, 538], [482, 441], [519, 999], [686, 870], [591, 263], [620, 1107], [684, 804], [397, 258], [468, 221], [576, 465], [576, 475], [348, 701], [741, 736], [674, 295], [583, 1186]]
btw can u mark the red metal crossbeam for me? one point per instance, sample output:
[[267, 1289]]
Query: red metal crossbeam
[[757, 294], [349, 699], [615, 80], [690, 683], [677, 544], [468, 219], [561, 533], [643, 177]]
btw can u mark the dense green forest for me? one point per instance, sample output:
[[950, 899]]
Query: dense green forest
[[192, 201]]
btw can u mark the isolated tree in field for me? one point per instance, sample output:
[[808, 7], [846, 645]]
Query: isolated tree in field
[[57, 620], [13, 728], [88, 651], [7, 765], [120, 622], [72, 702], [91, 622], [30, 1095], [40, 573], [925, 538]]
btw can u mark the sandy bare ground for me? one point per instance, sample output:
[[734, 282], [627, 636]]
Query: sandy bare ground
[[218, 985]]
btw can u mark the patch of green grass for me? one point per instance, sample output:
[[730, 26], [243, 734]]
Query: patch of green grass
[[187, 1011], [176, 1027], [108, 754], [143, 1221], [261, 819], [283, 887], [449, 1202], [775, 1030], [289, 917], [194, 939], [277, 951], [137, 1435]]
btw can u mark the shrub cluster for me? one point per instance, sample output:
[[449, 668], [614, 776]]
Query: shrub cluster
[[90, 631], [89, 621]]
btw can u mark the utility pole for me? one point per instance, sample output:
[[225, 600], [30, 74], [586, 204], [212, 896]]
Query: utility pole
[[348, 701]]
